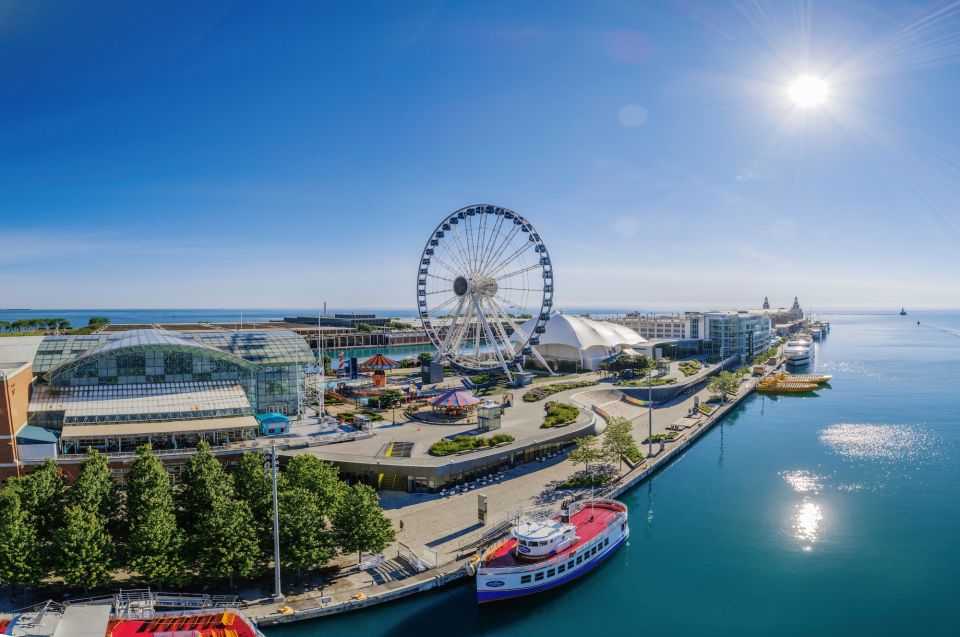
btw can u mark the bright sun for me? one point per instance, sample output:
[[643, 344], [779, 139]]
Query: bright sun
[[808, 90]]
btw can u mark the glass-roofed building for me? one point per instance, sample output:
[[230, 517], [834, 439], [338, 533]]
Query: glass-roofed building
[[117, 390]]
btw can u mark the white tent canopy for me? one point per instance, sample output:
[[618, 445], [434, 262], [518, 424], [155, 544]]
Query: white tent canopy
[[586, 341]]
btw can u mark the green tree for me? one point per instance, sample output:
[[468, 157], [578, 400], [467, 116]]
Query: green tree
[[202, 482], [618, 440], [360, 525], [155, 543], [4, 326], [425, 357], [253, 486], [317, 477], [725, 383], [305, 540], [42, 493], [85, 549], [586, 452], [389, 397], [21, 563], [229, 545], [363, 327], [95, 489]]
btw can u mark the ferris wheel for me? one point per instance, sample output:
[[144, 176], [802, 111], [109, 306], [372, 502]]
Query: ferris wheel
[[485, 289]]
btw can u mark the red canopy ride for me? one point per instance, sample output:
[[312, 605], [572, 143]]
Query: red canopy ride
[[378, 363]]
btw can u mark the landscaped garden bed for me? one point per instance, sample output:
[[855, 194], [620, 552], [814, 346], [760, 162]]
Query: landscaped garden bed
[[559, 414], [658, 437], [459, 444], [542, 391], [689, 368], [641, 382]]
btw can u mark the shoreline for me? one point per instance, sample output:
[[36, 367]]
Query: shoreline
[[443, 575]]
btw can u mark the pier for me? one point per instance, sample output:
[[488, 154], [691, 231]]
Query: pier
[[432, 541]]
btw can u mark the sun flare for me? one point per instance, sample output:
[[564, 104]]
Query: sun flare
[[808, 90]]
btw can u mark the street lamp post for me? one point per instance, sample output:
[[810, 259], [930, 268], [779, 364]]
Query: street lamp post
[[277, 594], [649, 413]]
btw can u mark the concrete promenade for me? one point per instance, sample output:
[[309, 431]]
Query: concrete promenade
[[446, 529]]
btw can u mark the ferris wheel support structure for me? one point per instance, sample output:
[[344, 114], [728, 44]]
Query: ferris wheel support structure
[[482, 267]]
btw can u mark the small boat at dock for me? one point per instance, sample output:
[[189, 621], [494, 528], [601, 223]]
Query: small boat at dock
[[783, 382], [540, 554]]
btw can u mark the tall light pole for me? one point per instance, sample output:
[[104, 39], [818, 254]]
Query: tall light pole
[[649, 413], [277, 594]]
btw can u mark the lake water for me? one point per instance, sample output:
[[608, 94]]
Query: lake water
[[837, 514]]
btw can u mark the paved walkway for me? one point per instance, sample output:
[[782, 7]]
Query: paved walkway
[[447, 526]]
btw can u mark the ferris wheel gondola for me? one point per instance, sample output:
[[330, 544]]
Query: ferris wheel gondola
[[485, 289]]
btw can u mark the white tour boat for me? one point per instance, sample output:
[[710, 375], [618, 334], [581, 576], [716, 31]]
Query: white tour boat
[[541, 554], [798, 352]]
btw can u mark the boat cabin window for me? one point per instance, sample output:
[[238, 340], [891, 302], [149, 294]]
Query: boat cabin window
[[561, 568], [570, 564], [523, 542], [579, 559], [593, 551], [538, 576], [524, 579], [606, 542], [551, 572]]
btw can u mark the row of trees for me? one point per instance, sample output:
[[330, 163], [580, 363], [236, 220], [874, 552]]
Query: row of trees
[[637, 363], [31, 324], [612, 447], [211, 525], [727, 383]]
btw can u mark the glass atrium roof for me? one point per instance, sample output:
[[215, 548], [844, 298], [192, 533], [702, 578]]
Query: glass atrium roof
[[137, 403], [260, 348]]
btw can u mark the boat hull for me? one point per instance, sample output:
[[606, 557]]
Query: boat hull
[[487, 594]]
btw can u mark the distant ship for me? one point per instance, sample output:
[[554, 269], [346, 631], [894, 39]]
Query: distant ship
[[903, 312], [541, 554]]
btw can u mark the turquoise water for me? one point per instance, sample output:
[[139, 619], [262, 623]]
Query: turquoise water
[[835, 514]]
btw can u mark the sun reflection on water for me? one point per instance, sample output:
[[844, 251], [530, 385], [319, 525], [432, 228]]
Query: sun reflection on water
[[806, 523]]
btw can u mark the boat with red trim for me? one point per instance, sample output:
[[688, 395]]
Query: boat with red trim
[[540, 554]]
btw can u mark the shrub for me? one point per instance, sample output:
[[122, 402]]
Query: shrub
[[585, 480], [706, 409], [689, 368], [642, 382], [559, 414], [658, 437], [542, 391], [448, 446]]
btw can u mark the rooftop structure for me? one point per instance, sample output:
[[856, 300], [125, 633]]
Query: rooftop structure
[[584, 341], [117, 390]]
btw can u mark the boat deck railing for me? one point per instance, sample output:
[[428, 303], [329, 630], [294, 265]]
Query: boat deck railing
[[556, 559]]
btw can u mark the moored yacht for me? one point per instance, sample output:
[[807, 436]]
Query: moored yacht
[[798, 352], [541, 554]]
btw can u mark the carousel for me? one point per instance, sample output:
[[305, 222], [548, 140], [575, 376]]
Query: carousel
[[454, 403]]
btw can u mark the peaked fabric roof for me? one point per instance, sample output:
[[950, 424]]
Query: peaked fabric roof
[[581, 333], [379, 361], [454, 398]]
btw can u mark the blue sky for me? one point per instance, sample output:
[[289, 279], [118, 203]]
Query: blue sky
[[226, 154]]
